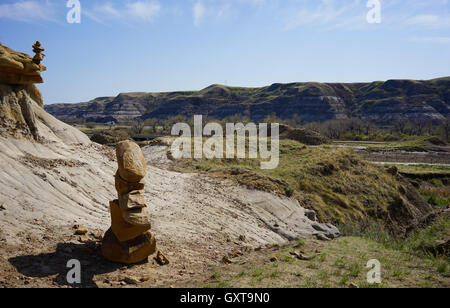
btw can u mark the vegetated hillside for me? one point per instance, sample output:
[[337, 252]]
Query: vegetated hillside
[[337, 184], [312, 101], [302, 135]]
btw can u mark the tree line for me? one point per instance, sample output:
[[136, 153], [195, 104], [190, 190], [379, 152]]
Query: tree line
[[339, 129]]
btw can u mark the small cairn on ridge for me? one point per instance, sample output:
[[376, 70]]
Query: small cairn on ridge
[[129, 239], [38, 49]]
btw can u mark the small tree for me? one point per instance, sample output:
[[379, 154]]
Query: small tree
[[272, 118], [153, 123], [446, 126], [138, 127], [295, 121], [400, 125]]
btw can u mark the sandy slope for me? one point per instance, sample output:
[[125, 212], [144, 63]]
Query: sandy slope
[[53, 184], [64, 185], [66, 180]]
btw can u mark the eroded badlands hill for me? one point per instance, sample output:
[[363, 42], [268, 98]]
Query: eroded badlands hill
[[378, 101]]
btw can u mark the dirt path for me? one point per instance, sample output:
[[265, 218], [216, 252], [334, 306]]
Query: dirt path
[[410, 164], [405, 157], [436, 155]]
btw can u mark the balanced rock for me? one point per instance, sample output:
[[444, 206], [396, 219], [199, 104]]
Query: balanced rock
[[129, 252], [132, 201], [124, 230], [131, 160], [129, 240], [123, 187]]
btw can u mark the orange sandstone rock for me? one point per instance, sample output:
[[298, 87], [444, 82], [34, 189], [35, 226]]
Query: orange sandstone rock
[[130, 252], [123, 230], [123, 187], [131, 161], [17, 68]]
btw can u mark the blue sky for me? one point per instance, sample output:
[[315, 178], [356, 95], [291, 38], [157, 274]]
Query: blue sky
[[156, 45]]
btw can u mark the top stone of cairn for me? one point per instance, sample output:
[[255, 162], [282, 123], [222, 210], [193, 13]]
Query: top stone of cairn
[[131, 162]]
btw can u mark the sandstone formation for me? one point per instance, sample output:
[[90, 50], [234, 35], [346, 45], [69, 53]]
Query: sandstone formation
[[17, 68], [18, 94], [129, 239], [16, 114]]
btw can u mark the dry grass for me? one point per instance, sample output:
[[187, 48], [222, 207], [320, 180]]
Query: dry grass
[[439, 196]]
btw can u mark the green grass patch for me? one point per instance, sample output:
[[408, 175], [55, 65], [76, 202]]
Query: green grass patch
[[415, 143], [420, 242], [422, 169], [345, 266]]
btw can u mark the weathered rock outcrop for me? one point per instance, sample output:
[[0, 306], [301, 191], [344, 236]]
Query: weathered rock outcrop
[[377, 101], [21, 112], [18, 73], [17, 68], [129, 240], [16, 116]]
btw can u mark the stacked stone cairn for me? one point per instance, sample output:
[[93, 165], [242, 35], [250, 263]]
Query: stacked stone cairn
[[38, 50], [129, 239]]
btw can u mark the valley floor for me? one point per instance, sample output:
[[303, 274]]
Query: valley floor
[[337, 264], [340, 263]]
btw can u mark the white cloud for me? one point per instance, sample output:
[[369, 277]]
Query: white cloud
[[439, 40], [223, 10], [325, 12], [108, 9], [27, 11], [429, 21], [145, 10], [199, 12], [332, 14], [139, 10]]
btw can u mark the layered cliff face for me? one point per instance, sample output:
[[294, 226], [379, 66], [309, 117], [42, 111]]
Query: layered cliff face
[[124, 107], [411, 99], [377, 101]]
